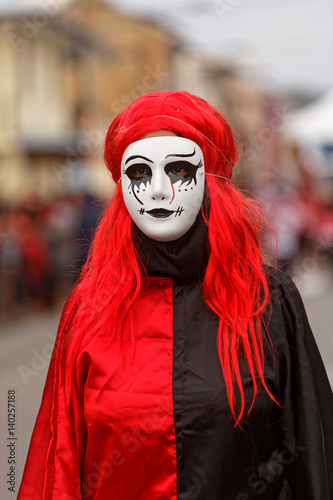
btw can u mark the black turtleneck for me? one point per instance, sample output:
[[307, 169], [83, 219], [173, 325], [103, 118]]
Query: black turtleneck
[[184, 259]]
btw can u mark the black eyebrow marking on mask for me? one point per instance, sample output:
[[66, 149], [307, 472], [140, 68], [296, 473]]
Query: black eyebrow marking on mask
[[137, 156], [182, 156]]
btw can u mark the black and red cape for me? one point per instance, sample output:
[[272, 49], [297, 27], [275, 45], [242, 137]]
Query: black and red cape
[[151, 420]]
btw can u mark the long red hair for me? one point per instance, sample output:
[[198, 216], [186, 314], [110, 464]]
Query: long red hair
[[235, 285]]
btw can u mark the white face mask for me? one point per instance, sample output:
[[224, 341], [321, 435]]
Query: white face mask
[[163, 185]]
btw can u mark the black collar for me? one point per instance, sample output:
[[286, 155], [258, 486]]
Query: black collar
[[184, 259]]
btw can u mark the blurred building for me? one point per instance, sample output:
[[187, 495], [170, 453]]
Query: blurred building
[[137, 59], [66, 72], [37, 122]]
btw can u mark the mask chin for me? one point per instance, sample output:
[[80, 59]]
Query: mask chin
[[166, 231]]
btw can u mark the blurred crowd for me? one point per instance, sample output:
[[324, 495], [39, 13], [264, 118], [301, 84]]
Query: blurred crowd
[[300, 238], [43, 246]]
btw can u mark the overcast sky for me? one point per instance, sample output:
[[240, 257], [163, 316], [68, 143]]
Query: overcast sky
[[286, 42]]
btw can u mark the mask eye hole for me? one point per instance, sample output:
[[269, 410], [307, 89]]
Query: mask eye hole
[[138, 171], [182, 170], [179, 171]]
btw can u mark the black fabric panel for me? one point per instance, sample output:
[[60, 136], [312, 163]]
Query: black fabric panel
[[306, 415], [272, 456], [214, 459]]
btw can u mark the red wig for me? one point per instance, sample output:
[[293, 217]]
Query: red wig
[[235, 285]]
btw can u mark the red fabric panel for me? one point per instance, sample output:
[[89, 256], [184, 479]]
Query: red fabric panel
[[128, 405], [122, 415]]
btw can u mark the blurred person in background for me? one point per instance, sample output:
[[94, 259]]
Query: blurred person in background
[[26, 265], [63, 223], [184, 367], [285, 212], [90, 213], [35, 260], [318, 236], [10, 266]]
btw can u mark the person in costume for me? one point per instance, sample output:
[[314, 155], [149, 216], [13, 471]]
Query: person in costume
[[184, 367]]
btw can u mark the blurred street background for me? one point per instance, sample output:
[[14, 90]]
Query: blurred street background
[[68, 67]]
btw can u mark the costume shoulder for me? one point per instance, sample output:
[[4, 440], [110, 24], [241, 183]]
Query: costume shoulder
[[306, 396], [56, 451]]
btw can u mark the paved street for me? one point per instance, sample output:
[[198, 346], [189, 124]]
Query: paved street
[[26, 345], [316, 289]]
